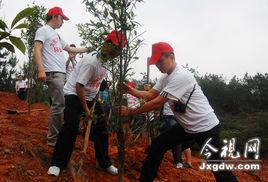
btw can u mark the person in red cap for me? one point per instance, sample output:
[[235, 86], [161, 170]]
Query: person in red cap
[[80, 91], [51, 66], [196, 118]]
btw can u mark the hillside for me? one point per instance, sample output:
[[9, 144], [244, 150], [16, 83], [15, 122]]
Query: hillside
[[24, 155]]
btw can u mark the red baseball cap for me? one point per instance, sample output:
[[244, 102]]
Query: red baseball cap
[[113, 37], [158, 49], [57, 11]]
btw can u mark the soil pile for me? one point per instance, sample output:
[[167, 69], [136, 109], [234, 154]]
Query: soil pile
[[24, 155]]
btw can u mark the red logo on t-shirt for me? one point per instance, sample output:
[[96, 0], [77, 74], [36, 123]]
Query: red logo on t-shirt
[[53, 45], [97, 81]]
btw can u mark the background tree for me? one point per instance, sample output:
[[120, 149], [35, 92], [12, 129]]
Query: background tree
[[35, 20], [8, 40], [111, 15], [7, 71]]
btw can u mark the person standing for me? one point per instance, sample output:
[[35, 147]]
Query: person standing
[[80, 92], [21, 88], [71, 62], [51, 68]]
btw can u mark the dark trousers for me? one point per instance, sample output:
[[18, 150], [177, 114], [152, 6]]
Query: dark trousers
[[68, 133], [169, 121], [22, 93], [175, 136]]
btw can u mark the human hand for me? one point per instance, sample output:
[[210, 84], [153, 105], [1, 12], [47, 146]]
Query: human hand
[[88, 114], [123, 87], [42, 76]]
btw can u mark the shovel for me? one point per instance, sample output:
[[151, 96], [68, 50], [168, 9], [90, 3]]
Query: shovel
[[79, 175], [13, 111]]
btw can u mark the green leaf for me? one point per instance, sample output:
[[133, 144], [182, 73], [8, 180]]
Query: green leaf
[[22, 25], [105, 13], [3, 25], [24, 13], [7, 45], [4, 35], [18, 43]]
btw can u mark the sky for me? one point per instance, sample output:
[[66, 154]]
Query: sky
[[223, 37]]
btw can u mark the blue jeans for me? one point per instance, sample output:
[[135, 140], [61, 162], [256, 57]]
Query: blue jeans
[[55, 82]]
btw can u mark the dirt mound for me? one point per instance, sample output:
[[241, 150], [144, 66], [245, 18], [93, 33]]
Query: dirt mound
[[24, 155]]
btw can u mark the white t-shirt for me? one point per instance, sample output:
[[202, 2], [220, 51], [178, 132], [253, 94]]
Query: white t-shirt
[[20, 84], [70, 68], [199, 116], [167, 110], [132, 101], [52, 51], [88, 72]]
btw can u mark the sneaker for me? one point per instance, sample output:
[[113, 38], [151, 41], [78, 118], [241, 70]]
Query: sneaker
[[53, 171], [112, 170], [187, 165], [179, 165]]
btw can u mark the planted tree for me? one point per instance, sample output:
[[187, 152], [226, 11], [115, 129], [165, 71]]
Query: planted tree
[[114, 15]]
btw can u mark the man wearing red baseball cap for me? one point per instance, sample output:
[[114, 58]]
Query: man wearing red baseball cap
[[57, 11], [80, 91], [50, 61], [196, 118]]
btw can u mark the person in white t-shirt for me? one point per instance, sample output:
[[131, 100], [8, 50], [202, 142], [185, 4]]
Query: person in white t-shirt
[[51, 66], [21, 87], [132, 101], [80, 92], [71, 62], [197, 120]]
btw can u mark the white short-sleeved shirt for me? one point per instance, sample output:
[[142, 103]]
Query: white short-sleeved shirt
[[69, 68], [52, 51], [178, 85], [132, 101], [167, 110], [88, 72], [20, 84]]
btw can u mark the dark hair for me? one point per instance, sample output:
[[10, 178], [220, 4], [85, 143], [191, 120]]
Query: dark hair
[[103, 85], [167, 54], [48, 18]]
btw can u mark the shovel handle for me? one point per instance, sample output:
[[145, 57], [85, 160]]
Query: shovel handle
[[89, 123]]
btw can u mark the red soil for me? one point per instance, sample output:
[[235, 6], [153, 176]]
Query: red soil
[[24, 155]]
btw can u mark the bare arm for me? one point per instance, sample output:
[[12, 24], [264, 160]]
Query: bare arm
[[81, 94], [77, 49], [146, 95], [38, 60], [148, 106]]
